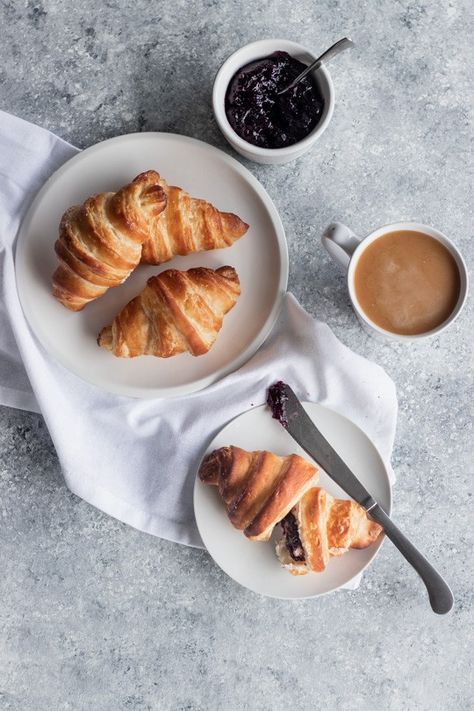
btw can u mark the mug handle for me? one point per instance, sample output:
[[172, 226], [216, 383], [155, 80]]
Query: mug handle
[[340, 242]]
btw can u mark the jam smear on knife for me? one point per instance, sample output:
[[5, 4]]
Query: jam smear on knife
[[276, 401]]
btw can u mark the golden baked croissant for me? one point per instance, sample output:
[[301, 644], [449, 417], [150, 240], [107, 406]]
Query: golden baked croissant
[[176, 312], [258, 488], [100, 241], [320, 527], [189, 225]]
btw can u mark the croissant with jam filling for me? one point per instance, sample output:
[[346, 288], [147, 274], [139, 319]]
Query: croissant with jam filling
[[320, 527], [260, 489]]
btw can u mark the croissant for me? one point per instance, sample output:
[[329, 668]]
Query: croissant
[[176, 312], [320, 527], [257, 488], [100, 241], [189, 225]]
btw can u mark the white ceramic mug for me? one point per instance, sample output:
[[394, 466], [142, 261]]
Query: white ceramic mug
[[346, 249]]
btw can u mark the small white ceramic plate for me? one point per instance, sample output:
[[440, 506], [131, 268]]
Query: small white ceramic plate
[[254, 564], [260, 258]]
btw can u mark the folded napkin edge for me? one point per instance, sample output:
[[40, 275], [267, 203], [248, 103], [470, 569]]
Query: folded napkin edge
[[155, 525]]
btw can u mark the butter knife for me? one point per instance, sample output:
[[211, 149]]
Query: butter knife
[[296, 421]]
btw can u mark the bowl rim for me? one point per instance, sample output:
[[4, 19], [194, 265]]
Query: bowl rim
[[265, 46]]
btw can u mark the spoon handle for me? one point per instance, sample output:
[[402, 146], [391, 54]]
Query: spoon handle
[[337, 47]]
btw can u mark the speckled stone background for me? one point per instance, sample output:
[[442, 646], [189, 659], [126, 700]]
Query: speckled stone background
[[95, 615]]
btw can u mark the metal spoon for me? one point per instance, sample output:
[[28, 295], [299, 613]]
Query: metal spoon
[[339, 46]]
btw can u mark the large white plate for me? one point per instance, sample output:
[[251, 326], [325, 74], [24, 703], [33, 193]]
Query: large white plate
[[254, 564], [260, 257]]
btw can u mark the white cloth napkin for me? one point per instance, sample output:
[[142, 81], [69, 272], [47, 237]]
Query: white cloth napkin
[[136, 460]]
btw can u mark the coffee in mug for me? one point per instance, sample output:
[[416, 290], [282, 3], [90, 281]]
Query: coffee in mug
[[407, 282]]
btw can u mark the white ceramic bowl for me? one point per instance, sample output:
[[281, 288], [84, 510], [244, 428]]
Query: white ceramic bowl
[[249, 53]]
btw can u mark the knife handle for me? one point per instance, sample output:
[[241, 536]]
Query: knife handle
[[441, 597]]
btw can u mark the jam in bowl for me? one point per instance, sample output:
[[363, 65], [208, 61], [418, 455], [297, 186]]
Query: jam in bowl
[[259, 122], [263, 116]]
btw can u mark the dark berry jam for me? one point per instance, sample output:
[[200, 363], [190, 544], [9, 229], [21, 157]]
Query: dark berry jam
[[292, 537], [276, 401], [261, 117]]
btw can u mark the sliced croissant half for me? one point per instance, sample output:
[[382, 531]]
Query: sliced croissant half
[[319, 527], [258, 488]]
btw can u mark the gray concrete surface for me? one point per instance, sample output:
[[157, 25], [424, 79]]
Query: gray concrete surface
[[95, 615]]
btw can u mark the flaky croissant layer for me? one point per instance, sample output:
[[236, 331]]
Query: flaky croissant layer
[[188, 225], [100, 241], [258, 488], [176, 312]]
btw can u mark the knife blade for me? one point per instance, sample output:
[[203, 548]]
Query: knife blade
[[293, 417], [304, 431]]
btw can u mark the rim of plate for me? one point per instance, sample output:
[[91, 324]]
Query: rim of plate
[[198, 483], [154, 392]]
